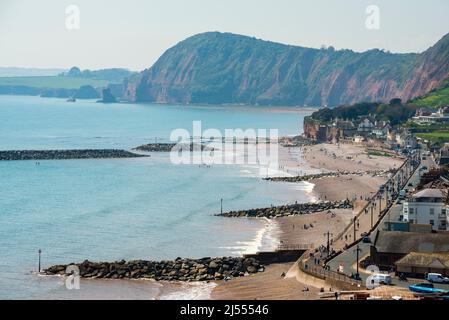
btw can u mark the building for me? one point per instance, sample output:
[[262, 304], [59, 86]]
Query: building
[[427, 207], [366, 127], [405, 140], [391, 246], [345, 128], [381, 129], [443, 156], [358, 139], [417, 264], [424, 116]]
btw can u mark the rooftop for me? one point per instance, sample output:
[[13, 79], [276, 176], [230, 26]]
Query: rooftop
[[429, 193], [426, 260], [406, 242]]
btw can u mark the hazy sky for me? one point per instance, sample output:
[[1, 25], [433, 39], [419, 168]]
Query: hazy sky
[[134, 33]]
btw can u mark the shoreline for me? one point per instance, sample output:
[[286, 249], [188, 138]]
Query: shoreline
[[324, 158], [284, 230]]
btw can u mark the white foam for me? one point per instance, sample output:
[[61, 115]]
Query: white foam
[[191, 291], [265, 239]]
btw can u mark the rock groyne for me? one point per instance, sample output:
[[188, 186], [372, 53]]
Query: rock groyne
[[289, 210], [168, 147], [378, 173], [66, 154], [205, 269]]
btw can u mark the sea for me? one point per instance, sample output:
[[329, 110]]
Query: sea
[[138, 208]]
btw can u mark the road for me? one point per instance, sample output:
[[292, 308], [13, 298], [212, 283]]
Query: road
[[348, 259]]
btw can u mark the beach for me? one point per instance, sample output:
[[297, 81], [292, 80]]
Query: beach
[[321, 157]]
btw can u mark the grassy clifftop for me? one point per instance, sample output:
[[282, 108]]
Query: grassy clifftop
[[435, 98]]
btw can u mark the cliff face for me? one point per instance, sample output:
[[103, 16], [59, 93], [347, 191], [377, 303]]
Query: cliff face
[[320, 133], [217, 68]]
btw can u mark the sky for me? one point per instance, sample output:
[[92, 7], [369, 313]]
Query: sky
[[134, 33]]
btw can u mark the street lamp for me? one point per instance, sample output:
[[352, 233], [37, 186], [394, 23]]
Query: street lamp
[[358, 250], [329, 235], [355, 228]]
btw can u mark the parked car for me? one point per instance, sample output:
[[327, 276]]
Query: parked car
[[437, 278], [366, 239], [382, 278]]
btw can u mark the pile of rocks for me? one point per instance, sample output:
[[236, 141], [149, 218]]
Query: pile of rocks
[[289, 210], [295, 142], [377, 173], [168, 147], [66, 154], [205, 269]]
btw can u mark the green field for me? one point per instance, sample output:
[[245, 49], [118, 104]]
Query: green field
[[52, 82], [435, 136], [436, 98]]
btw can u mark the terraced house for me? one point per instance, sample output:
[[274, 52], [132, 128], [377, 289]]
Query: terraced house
[[428, 206]]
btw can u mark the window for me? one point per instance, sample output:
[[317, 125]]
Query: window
[[432, 211], [411, 210], [432, 222], [412, 221], [443, 212]]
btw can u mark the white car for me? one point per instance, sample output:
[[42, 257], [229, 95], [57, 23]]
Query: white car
[[382, 278], [436, 278]]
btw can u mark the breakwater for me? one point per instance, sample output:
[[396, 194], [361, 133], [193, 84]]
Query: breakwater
[[206, 269], [65, 154], [377, 173], [289, 210], [168, 147]]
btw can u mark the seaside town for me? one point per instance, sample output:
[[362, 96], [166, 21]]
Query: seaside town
[[224, 155], [378, 227]]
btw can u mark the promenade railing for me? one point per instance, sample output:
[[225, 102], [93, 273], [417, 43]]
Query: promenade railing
[[322, 273], [374, 198]]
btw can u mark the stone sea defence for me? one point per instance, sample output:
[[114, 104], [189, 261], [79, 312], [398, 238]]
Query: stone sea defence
[[289, 210], [205, 269], [167, 147], [65, 154], [378, 173]]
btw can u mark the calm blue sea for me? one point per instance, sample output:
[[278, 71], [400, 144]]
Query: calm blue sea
[[142, 208]]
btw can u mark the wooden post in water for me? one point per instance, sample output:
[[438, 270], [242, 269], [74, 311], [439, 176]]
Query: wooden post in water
[[221, 205], [39, 264]]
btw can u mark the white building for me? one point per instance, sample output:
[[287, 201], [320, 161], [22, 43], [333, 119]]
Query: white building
[[382, 129], [442, 115], [427, 207], [366, 126]]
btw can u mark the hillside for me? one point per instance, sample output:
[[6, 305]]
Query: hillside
[[51, 82], [436, 98], [113, 75], [219, 68]]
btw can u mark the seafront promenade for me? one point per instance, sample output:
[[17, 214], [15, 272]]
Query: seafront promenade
[[347, 248]]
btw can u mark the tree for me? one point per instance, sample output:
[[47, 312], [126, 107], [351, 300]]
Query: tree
[[395, 101]]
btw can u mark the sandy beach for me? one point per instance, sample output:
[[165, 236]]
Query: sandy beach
[[346, 157], [269, 285], [311, 229]]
